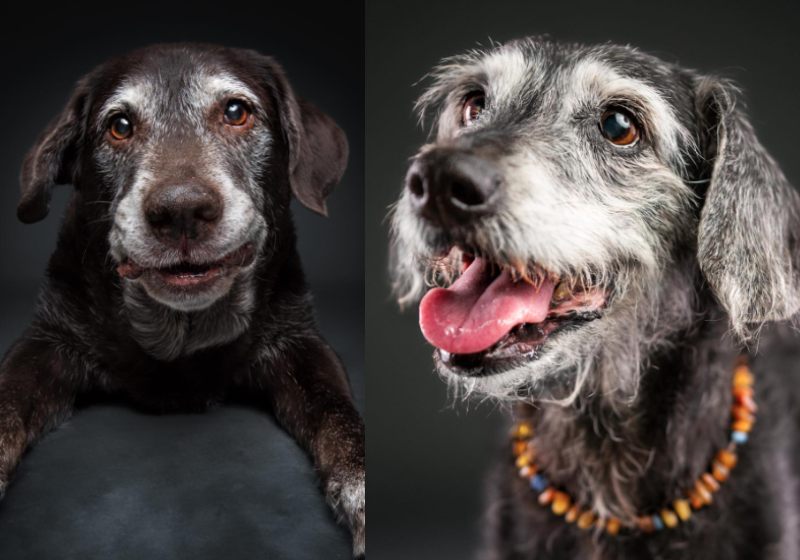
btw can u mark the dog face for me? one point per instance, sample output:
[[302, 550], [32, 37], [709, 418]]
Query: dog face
[[194, 152], [559, 209]]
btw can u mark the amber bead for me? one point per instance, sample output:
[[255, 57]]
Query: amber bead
[[572, 514], [523, 431], [586, 520], [682, 509], [742, 393], [561, 503], [719, 471], [523, 460], [741, 413], [520, 447], [695, 499], [703, 492], [612, 526], [742, 377], [710, 482], [645, 524], [546, 496], [748, 403], [727, 458], [669, 518], [742, 426]]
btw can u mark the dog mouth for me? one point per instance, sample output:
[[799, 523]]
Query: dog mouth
[[493, 317], [187, 275]]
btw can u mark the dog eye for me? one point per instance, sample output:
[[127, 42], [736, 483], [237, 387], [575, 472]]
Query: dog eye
[[472, 108], [120, 127], [619, 127], [236, 113]]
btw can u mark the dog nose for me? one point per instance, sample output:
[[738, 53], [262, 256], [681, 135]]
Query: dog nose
[[453, 189], [185, 211]]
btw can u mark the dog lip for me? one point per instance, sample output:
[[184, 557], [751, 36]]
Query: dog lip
[[187, 272], [514, 349]]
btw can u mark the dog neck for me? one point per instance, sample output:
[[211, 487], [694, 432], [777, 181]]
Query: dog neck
[[624, 459], [168, 334]]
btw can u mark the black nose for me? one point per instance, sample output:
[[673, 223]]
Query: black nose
[[450, 189], [183, 212]]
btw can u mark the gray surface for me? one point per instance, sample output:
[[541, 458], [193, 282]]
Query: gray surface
[[115, 483]]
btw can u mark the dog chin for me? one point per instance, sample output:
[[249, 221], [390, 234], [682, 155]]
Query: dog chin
[[550, 373], [188, 298]]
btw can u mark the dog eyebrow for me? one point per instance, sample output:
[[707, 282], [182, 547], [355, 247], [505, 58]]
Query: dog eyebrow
[[224, 84], [593, 79]]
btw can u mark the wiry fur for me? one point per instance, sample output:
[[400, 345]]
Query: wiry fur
[[692, 231]]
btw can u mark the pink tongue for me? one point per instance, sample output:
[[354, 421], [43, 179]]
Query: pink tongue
[[478, 310]]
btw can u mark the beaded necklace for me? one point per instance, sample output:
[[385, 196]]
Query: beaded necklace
[[697, 496]]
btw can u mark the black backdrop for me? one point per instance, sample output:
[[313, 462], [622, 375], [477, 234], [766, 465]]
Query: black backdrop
[[116, 484], [427, 458]]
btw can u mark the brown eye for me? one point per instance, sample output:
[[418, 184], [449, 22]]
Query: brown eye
[[472, 108], [236, 113], [619, 127], [120, 127]]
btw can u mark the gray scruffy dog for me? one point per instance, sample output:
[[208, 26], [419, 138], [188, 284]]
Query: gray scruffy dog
[[607, 235]]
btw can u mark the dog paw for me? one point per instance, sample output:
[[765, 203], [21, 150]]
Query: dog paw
[[347, 496]]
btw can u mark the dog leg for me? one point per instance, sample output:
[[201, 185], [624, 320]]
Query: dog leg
[[37, 393], [310, 396]]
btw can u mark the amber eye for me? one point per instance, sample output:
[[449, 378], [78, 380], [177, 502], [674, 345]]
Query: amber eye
[[619, 127], [473, 107], [120, 127], [236, 112]]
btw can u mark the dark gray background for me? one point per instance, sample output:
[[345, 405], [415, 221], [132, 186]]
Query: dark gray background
[[113, 483], [426, 458]]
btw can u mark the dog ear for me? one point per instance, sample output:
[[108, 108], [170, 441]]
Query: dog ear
[[317, 146], [749, 226], [51, 160]]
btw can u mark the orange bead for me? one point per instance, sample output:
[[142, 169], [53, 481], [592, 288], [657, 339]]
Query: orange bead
[[742, 426], [586, 520], [523, 460], [572, 514], [523, 430], [682, 509], [561, 503], [709, 482], [742, 393], [612, 526], [748, 403], [703, 492], [719, 471], [520, 447], [742, 377], [547, 496], [645, 524], [669, 518], [727, 458], [695, 499], [741, 413]]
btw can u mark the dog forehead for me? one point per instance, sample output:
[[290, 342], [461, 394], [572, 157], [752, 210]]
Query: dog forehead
[[176, 83]]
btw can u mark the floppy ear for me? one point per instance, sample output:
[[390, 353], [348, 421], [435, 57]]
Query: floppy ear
[[51, 160], [749, 226], [317, 146]]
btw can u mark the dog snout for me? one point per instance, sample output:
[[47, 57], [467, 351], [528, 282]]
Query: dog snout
[[186, 211], [453, 188]]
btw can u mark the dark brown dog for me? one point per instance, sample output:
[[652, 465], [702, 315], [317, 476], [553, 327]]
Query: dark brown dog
[[176, 281]]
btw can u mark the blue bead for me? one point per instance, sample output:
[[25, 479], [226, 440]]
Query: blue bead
[[539, 482], [658, 523], [739, 437]]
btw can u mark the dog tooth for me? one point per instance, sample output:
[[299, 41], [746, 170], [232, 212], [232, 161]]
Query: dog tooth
[[562, 292]]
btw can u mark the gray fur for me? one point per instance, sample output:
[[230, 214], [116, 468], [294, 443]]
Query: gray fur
[[692, 230]]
